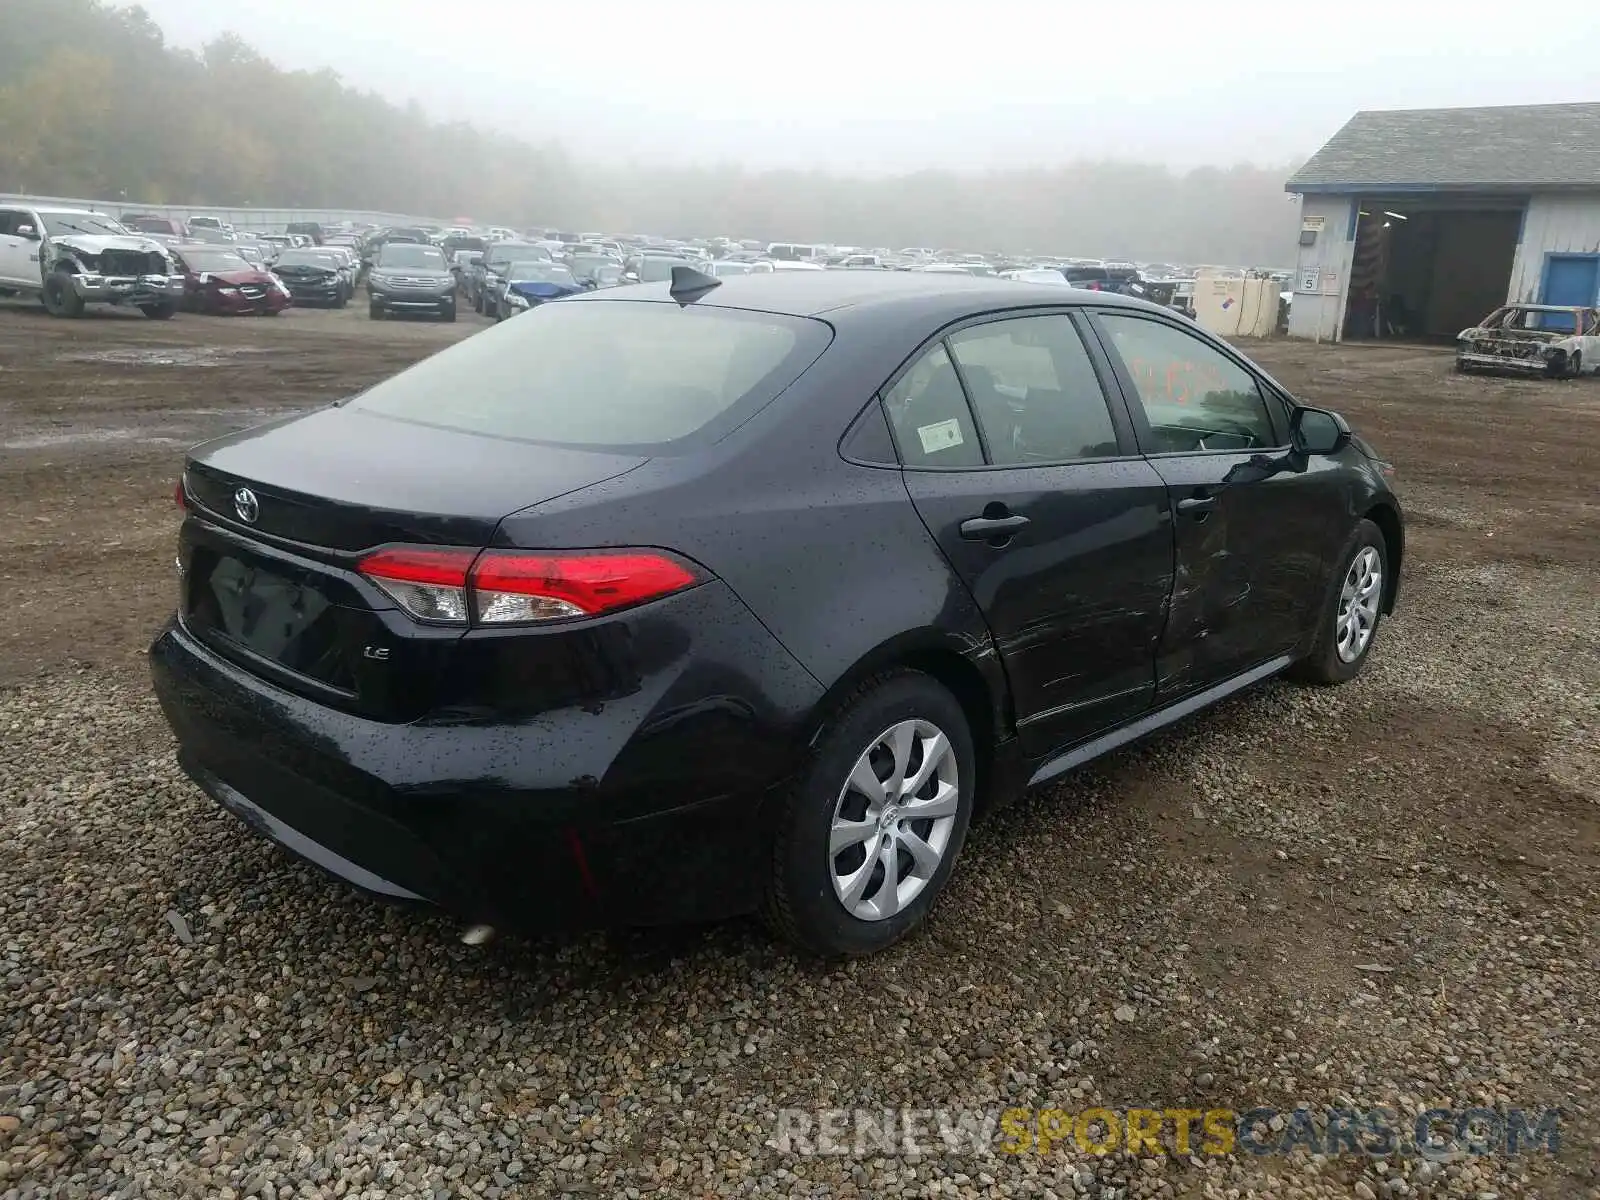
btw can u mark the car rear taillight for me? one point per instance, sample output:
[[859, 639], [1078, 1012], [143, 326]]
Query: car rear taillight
[[178, 497], [430, 584], [513, 587]]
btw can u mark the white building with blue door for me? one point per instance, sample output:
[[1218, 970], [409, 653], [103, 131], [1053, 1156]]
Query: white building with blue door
[[1419, 223]]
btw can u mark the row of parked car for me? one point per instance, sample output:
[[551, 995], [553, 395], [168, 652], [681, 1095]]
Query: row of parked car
[[209, 266], [559, 264], [233, 273], [75, 258]]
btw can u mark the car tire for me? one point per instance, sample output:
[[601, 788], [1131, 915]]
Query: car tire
[[375, 311], [448, 313], [164, 311], [60, 299], [477, 304], [1335, 656], [806, 901], [1575, 367]]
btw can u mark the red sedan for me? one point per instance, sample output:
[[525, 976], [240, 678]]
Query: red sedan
[[218, 280]]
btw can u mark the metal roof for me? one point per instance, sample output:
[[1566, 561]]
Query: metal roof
[[1526, 146]]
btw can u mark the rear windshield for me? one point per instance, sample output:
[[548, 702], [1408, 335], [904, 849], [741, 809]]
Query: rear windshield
[[613, 375]]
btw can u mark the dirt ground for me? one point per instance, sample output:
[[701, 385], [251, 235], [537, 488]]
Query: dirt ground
[[94, 418], [1366, 877]]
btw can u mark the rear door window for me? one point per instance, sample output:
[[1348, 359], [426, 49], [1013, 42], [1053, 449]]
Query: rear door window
[[1035, 391], [608, 375]]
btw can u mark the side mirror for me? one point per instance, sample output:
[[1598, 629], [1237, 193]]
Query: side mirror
[[1318, 431], [28, 233]]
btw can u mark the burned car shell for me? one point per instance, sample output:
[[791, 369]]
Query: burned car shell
[[1542, 339]]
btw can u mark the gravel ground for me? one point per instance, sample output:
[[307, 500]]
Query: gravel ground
[[1383, 894]]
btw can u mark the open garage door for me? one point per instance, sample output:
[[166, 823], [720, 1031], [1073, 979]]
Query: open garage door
[[1429, 270]]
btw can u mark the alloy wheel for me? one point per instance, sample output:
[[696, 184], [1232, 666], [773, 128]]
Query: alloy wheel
[[893, 820], [1357, 614]]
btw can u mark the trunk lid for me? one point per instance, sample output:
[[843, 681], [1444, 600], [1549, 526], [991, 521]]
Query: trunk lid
[[344, 479], [280, 595]]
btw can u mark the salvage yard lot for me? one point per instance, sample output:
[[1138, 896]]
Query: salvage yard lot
[[1387, 893]]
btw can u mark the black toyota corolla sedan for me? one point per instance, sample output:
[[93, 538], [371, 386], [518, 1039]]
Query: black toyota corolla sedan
[[707, 598]]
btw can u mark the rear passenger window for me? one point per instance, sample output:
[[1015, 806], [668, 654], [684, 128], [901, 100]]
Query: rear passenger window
[[930, 418], [1035, 391]]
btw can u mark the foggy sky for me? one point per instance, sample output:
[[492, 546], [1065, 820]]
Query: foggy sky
[[885, 85]]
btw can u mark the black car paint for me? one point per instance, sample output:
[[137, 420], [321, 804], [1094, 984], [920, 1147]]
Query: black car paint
[[622, 769], [312, 284], [346, 478], [609, 814]]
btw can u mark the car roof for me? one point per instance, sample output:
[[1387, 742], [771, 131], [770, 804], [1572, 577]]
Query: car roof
[[817, 293]]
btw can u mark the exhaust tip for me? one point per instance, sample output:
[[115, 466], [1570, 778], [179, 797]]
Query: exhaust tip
[[477, 935]]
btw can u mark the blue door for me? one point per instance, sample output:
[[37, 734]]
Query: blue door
[[1572, 279]]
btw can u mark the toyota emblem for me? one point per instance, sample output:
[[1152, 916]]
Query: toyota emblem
[[246, 505]]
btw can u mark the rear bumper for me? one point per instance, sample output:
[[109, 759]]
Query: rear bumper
[[261, 821], [645, 809]]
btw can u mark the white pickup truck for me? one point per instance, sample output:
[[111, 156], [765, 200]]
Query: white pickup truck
[[70, 258]]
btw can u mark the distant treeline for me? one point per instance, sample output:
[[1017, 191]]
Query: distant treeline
[[93, 102]]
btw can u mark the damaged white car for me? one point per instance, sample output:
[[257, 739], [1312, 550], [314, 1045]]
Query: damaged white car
[[71, 258], [1544, 339]]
